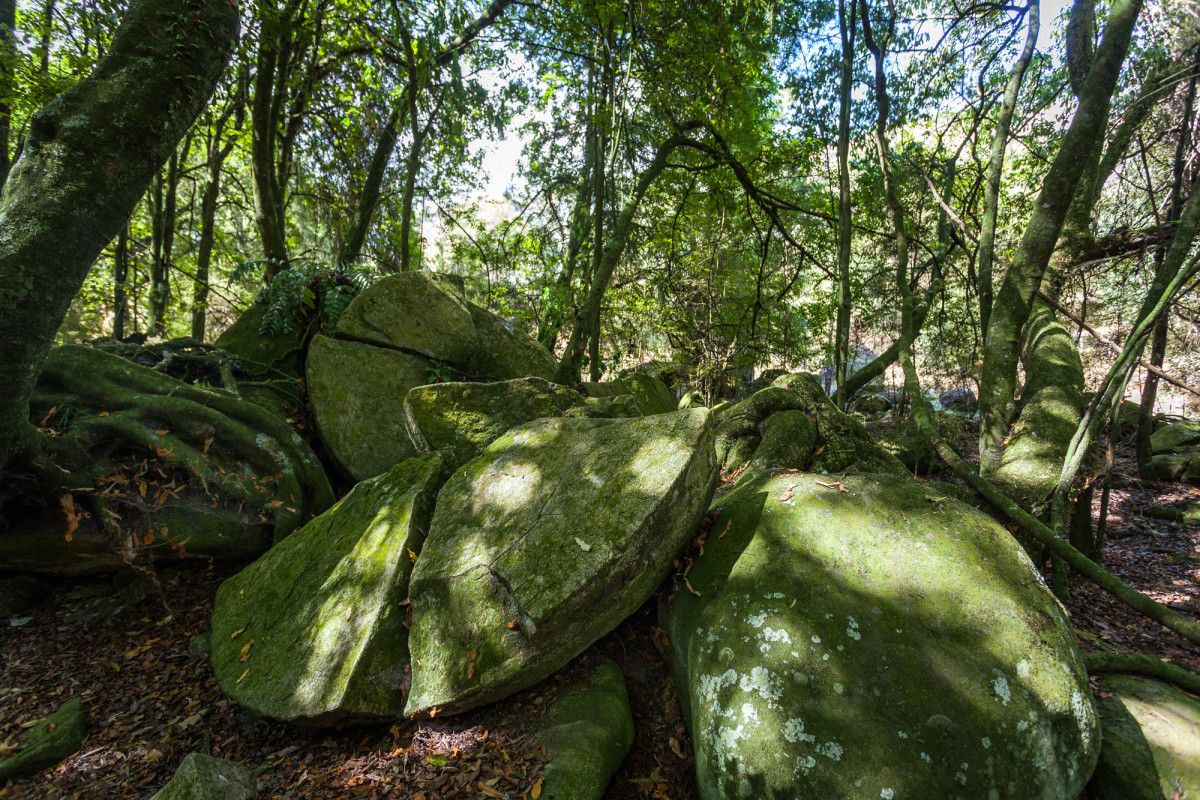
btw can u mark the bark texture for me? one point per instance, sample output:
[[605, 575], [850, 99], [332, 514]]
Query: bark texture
[[88, 158]]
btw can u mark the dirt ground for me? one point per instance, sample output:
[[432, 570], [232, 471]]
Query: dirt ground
[[122, 647]]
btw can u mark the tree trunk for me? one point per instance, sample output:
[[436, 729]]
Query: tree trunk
[[8, 26], [991, 190], [1002, 346], [264, 123], [120, 282], [841, 339], [568, 367], [411, 170], [89, 155], [1158, 350], [368, 198], [208, 215]]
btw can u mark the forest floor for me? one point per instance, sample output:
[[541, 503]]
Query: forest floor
[[122, 647]]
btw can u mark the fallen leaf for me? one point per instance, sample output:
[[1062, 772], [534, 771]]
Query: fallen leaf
[[675, 748], [512, 623], [244, 674], [536, 791], [49, 414], [238, 632], [471, 670], [246, 650]]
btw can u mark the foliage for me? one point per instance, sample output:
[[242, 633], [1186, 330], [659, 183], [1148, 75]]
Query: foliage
[[307, 293]]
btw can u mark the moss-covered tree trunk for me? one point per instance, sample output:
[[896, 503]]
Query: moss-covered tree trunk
[[1014, 301], [88, 157]]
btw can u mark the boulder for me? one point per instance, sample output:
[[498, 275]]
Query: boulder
[[842, 442], [962, 400], [691, 399], [1176, 438], [543, 544], [611, 388], [652, 395], [876, 641], [869, 404], [788, 441], [502, 352], [1169, 466], [313, 632], [1151, 741], [357, 393], [50, 741], [423, 313], [201, 777], [245, 339], [587, 731], [459, 420], [622, 405], [407, 330]]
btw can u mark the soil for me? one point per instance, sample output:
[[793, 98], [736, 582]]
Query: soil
[[122, 646]]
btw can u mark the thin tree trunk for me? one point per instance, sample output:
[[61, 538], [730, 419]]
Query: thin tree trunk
[[568, 367], [411, 170], [841, 339], [1158, 349], [991, 190], [1002, 345], [8, 26], [90, 154], [120, 279]]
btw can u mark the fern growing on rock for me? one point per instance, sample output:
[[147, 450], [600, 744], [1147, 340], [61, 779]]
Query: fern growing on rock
[[307, 292]]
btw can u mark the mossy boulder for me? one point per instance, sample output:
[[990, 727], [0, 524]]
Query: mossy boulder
[[611, 388], [504, 352], [841, 442], [874, 642], [459, 420], [587, 732], [1151, 741], [652, 395], [357, 393], [543, 544], [870, 404], [788, 441], [313, 632], [1170, 466], [283, 353], [1176, 438], [407, 330], [201, 777], [51, 740], [423, 313]]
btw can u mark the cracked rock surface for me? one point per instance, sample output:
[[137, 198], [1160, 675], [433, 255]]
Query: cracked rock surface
[[557, 532]]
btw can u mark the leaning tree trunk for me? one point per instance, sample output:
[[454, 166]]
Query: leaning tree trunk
[[1014, 302], [89, 155]]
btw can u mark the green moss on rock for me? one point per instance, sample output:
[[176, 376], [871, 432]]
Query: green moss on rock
[[420, 312], [313, 632], [877, 642], [357, 393], [1151, 741], [544, 543], [50, 741], [201, 777], [459, 420], [652, 395], [504, 352], [587, 733]]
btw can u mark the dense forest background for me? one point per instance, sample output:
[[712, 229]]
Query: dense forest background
[[506, 147]]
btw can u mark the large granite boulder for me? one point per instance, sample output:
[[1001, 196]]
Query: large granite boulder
[[838, 443], [587, 732], [201, 777], [359, 391], [1151, 741], [543, 544], [652, 395], [866, 639], [1176, 438], [459, 420], [407, 330], [313, 632]]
